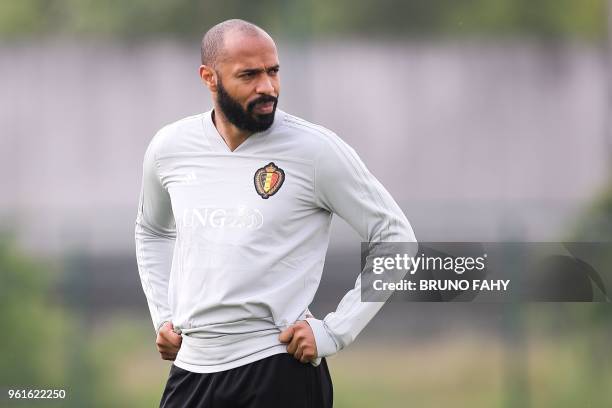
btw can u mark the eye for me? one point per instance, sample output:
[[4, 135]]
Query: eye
[[273, 71], [248, 75]]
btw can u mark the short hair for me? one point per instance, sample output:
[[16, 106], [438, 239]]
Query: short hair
[[213, 40]]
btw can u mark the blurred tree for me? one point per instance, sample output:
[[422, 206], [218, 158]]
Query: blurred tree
[[596, 222], [46, 345], [547, 19], [32, 340], [559, 19], [595, 226], [18, 18]]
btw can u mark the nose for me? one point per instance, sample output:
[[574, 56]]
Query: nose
[[265, 86]]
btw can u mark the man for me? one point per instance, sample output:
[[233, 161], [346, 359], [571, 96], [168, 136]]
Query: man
[[232, 231]]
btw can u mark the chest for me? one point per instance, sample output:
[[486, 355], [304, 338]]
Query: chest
[[236, 194]]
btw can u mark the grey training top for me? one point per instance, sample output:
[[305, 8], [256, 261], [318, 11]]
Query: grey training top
[[231, 244]]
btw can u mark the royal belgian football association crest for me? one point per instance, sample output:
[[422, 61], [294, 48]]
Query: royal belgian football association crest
[[268, 180]]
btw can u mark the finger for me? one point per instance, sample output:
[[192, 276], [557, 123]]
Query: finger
[[175, 339], [166, 333], [293, 345], [167, 349], [302, 330], [167, 326], [307, 355], [301, 353], [286, 335], [161, 345], [298, 354], [166, 355], [169, 343], [171, 337]]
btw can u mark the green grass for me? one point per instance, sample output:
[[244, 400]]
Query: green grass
[[456, 369]]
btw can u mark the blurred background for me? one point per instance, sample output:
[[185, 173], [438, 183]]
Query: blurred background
[[487, 120]]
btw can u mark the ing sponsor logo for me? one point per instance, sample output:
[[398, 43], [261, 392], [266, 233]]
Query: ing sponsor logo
[[223, 218]]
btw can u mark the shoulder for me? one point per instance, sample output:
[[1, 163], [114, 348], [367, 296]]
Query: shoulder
[[174, 134], [312, 136]]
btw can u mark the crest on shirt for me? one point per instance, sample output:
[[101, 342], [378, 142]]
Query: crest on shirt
[[268, 180]]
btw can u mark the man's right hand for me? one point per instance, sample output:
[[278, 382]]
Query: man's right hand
[[168, 342]]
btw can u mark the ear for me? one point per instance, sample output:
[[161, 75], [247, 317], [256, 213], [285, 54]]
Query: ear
[[208, 77]]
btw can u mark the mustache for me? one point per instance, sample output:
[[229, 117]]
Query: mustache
[[261, 99]]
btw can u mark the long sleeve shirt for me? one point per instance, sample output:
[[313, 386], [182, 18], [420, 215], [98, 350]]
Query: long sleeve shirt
[[231, 244]]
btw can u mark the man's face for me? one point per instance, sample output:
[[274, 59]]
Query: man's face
[[248, 82]]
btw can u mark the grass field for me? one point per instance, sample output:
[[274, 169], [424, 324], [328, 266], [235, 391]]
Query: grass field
[[455, 369]]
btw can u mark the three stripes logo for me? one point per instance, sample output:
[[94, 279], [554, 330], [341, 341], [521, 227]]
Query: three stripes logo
[[268, 180]]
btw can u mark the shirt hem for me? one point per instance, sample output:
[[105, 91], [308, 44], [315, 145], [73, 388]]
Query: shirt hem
[[204, 369]]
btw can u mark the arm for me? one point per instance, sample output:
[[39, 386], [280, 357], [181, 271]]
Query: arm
[[155, 235], [344, 186]]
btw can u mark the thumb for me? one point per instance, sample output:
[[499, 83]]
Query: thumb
[[167, 331], [167, 325], [286, 335], [175, 339]]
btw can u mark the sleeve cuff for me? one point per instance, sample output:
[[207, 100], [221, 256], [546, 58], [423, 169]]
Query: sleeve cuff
[[326, 346]]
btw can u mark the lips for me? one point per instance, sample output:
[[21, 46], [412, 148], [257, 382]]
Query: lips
[[264, 107]]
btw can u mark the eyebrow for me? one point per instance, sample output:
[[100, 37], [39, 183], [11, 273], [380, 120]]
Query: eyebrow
[[257, 70]]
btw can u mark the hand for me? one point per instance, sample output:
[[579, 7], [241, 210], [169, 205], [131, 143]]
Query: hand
[[301, 341], [168, 342]]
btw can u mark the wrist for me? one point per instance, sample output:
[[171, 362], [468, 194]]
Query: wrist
[[326, 345]]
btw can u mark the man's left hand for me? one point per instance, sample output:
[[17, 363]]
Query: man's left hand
[[301, 341]]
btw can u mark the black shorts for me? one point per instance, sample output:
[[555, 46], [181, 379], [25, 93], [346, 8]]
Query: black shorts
[[276, 381]]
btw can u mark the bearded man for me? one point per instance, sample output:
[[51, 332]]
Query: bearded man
[[232, 231]]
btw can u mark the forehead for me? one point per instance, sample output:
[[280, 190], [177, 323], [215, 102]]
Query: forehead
[[242, 51]]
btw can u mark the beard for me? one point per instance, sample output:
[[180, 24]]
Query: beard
[[245, 119]]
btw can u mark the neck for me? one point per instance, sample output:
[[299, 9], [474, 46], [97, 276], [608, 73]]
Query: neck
[[232, 135]]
